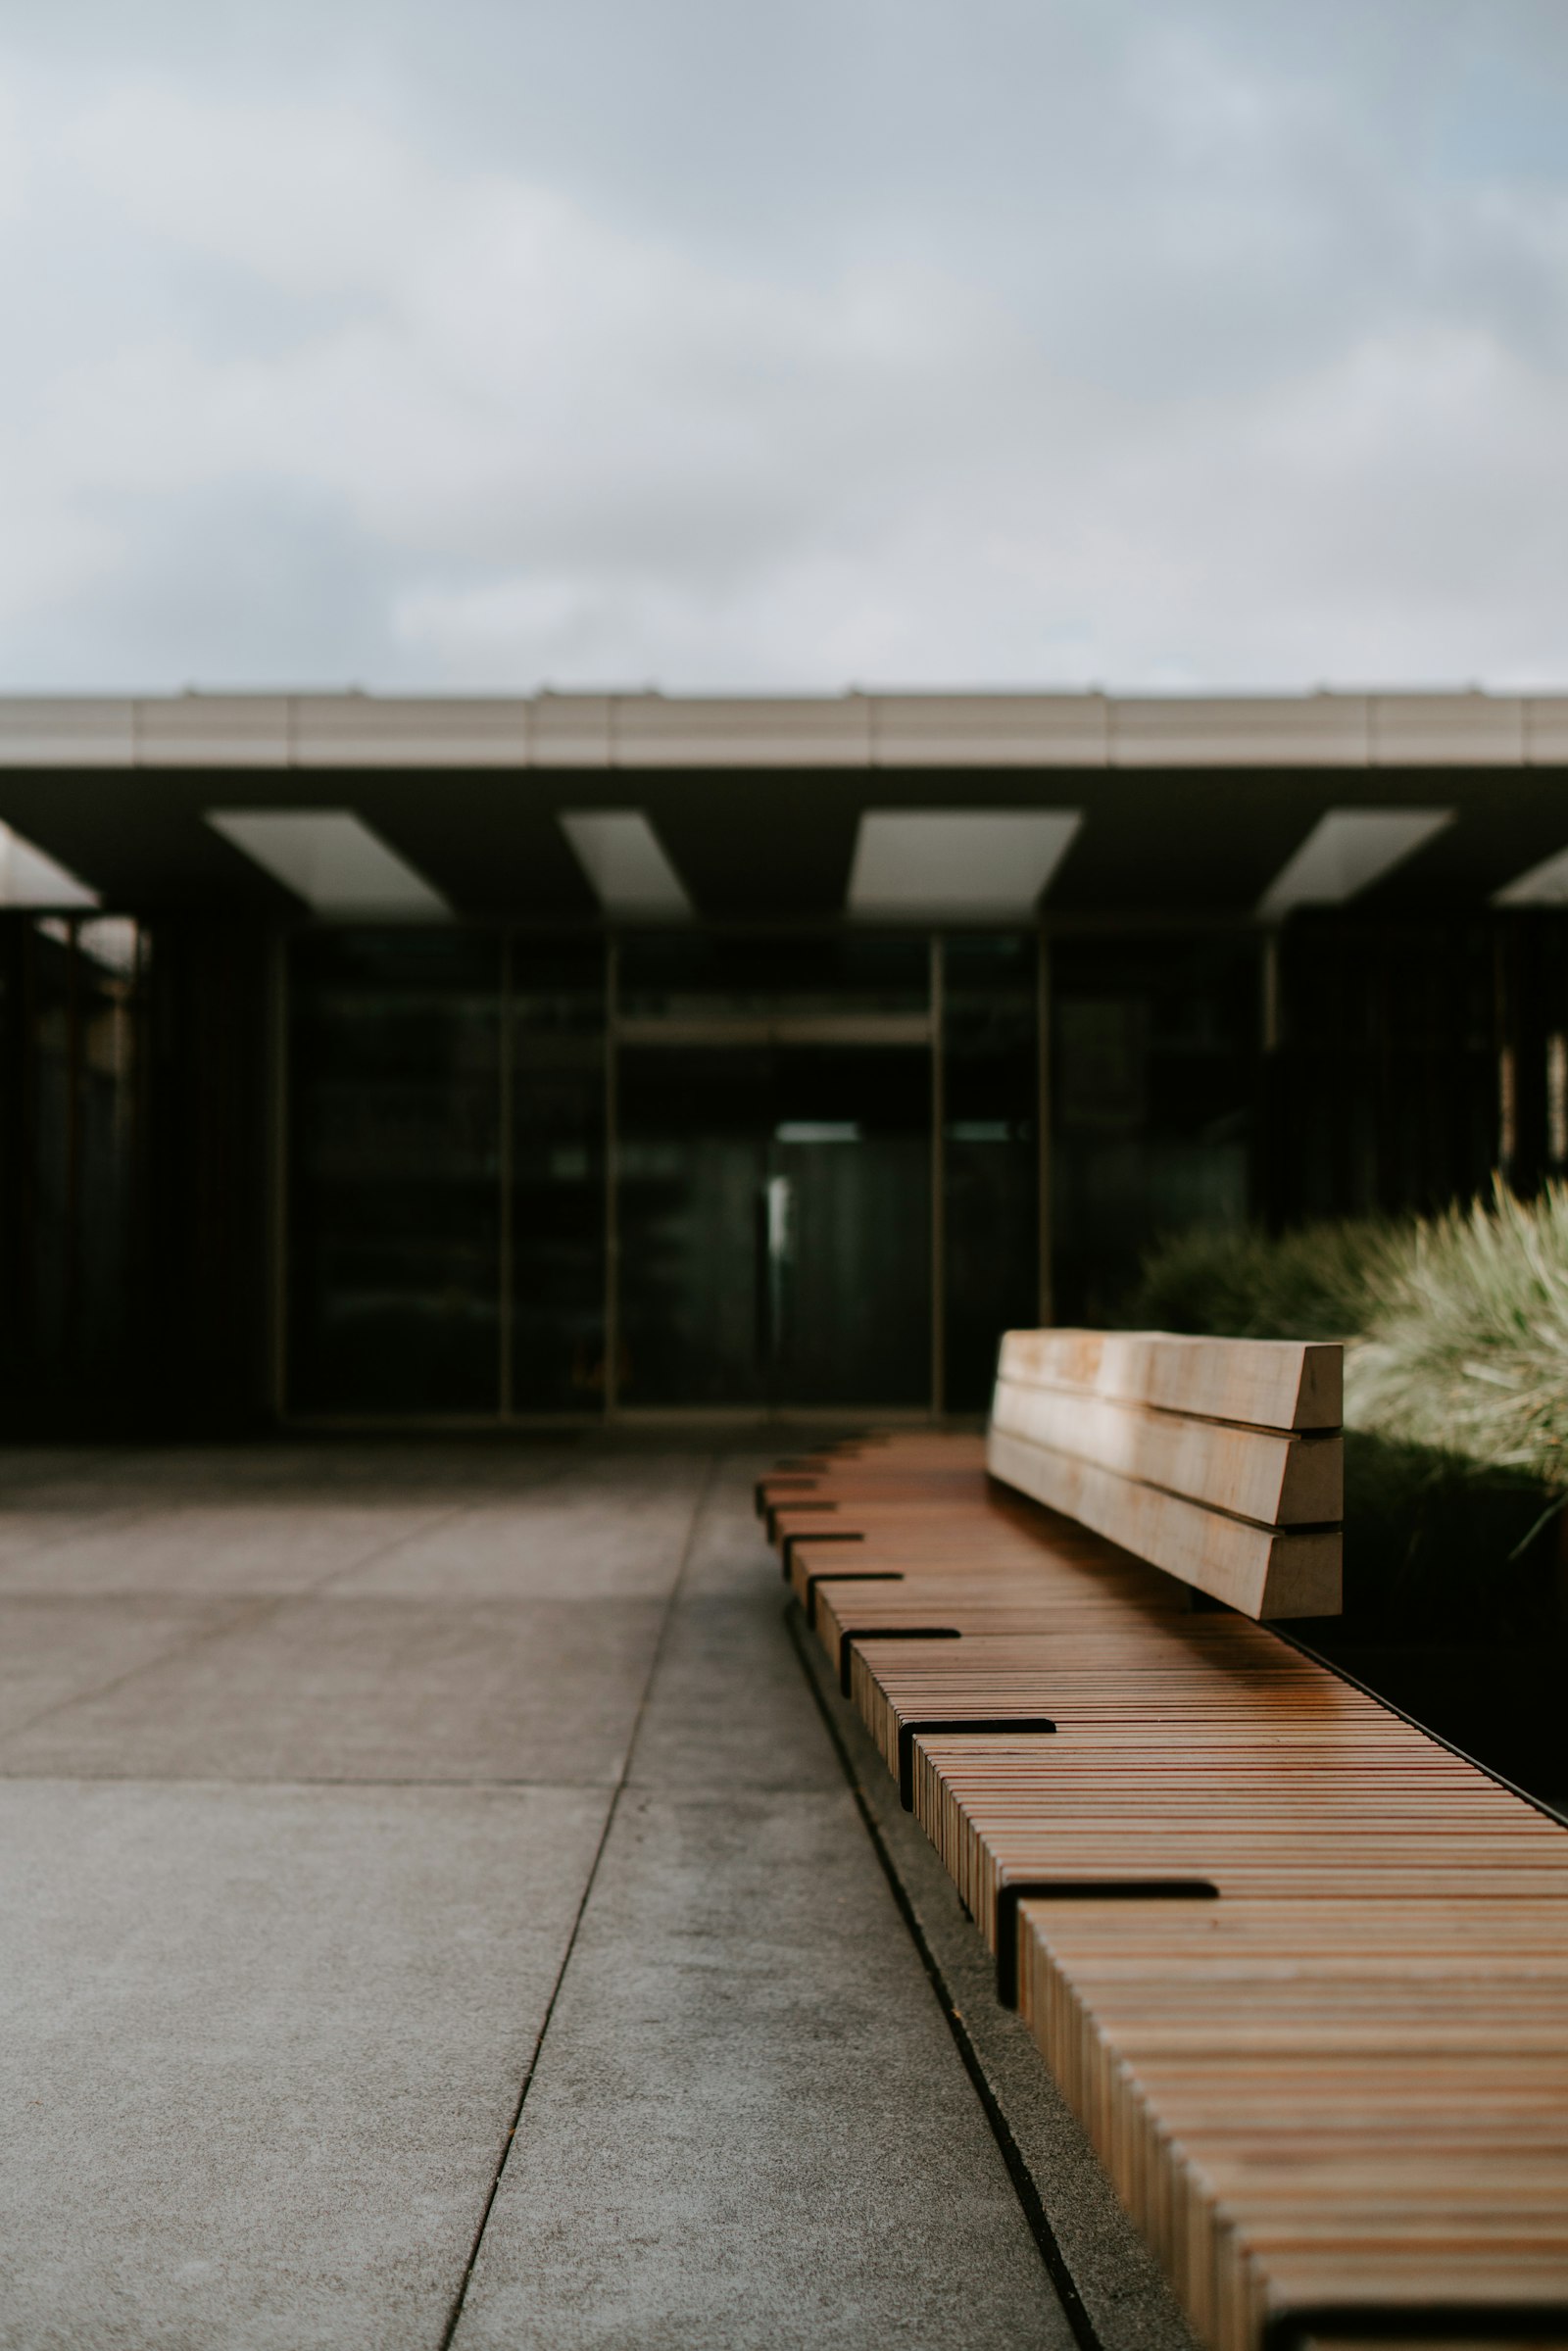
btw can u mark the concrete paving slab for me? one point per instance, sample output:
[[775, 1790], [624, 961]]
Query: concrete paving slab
[[750, 2129], [371, 1690], [26, 1532], [727, 1707], [750, 2125], [53, 1651], [390, 1470], [616, 1539], [280, 1546], [729, 1555], [273, 2023], [262, 2050]]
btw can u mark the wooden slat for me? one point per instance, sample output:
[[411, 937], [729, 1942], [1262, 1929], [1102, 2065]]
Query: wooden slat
[[1334, 2090], [1379, 2142], [1261, 1474], [1260, 1570], [1262, 1383]]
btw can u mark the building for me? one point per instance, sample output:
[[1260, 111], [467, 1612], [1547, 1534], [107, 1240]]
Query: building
[[465, 1062]]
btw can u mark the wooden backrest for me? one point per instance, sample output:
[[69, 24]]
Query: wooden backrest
[[1220, 1460]]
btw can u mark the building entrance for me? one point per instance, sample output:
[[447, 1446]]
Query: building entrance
[[774, 1211], [525, 1177]]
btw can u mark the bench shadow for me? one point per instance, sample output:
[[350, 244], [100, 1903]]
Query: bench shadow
[[1457, 1604]]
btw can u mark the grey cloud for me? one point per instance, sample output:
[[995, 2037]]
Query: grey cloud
[[880, 338]]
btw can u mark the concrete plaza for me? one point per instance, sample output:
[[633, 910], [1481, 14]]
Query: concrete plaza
[[435, 1913]]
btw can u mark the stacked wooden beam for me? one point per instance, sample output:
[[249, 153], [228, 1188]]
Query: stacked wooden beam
[[1301, 1970], [1219, 1460]]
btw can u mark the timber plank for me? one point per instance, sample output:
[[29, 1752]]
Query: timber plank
[[1261, 1570], [1261, 1383], [1279, 1479]]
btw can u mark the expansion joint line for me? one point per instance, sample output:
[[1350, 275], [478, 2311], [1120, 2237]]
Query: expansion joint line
[[460, 2298]]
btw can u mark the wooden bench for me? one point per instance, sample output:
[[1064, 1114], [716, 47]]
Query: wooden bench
[[1301, 1970]]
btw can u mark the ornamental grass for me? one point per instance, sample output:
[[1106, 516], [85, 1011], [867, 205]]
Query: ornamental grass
[[1457, 1326]]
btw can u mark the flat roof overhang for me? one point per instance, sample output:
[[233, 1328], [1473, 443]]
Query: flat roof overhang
[[1191, 807]]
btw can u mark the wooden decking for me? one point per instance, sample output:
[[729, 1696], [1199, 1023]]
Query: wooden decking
[[1301, 1970]]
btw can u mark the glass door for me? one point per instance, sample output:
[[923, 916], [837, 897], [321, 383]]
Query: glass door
[[534, 1175], [774, 1210], [848, 1226], [394, 1222], [690, 1192]]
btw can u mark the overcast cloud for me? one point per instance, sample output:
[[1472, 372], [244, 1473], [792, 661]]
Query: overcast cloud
[[873, 341]]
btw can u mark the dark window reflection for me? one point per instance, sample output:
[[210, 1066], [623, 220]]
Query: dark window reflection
[[394, 1222], [1155, 1068], [1385, 1091], [557, 997], [690, 1169], [991, 1154], [76, 989], [775, 1211], [52, 1005], [685, 975], [848, 1234]]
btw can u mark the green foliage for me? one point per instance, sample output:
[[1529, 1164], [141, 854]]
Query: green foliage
[[1323, 1281], [1457, 1325], [1468, 1351]]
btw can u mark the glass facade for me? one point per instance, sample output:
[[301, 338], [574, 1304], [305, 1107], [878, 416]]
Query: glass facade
[[991, 1081], [394, 1225], [493, 1174], [1407, 1065], [689, 1164], [531, 1176], [553, 1226], [1155, 1068], [775, 1224], [848, 1226], [680, 975], [74, 1039]]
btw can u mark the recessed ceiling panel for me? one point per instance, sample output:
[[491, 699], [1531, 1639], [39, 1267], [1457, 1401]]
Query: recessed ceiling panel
[[331, 858], [625, 860], [1347, 851], [1544, 885], [29, 878], [978, 863]]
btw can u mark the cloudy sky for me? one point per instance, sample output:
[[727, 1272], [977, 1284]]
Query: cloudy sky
[[704, 344]]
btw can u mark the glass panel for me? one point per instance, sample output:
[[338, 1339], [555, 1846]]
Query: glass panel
[[109, 970], [850, 1249], [1383, 1093], [775, 1226], [1154, 1065], [690, 1174], [75, 1067], [394, 1226], [55, 1160], [557, 1170], [688, 976], [991, 1152]]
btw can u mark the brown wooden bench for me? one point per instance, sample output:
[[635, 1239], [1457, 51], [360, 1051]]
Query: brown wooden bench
[[1301, 1970]]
